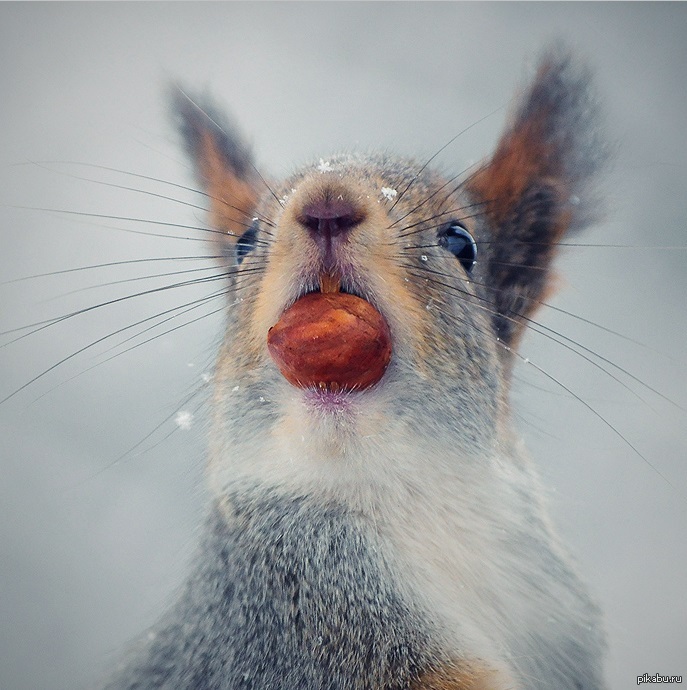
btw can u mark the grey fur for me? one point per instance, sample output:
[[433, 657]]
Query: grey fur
[[292, 594]]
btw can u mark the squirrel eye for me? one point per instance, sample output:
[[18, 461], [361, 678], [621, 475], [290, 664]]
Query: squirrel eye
[[247, 242], [460, 243]]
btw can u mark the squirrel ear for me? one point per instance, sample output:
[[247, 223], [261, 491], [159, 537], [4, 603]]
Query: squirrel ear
[[223, 164], [535, 188]]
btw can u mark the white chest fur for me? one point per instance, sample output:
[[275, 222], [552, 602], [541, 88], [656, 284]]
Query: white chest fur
[[467, 536]]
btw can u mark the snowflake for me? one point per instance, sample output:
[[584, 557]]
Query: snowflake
[[184, 420], [324, 166], [389, 193]]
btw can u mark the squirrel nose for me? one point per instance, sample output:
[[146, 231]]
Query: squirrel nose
[[327, 219]]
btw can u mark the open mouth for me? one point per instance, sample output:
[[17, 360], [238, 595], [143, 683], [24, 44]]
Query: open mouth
[[331, 340]]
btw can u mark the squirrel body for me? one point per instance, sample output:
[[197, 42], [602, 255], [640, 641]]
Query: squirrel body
[[392, 538]]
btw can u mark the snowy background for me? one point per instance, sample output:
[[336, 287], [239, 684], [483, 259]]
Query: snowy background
[[101, 494]]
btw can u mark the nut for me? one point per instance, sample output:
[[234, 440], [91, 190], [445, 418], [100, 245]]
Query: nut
[[333, 341]]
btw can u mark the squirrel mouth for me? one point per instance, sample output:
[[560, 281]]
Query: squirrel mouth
[[331, 340]]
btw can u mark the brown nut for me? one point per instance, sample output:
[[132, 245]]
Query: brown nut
[[332, 341]]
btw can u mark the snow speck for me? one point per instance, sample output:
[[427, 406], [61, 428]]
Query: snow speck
[[190, 365], [423, 257], [206, 378], [234, 389], [324, 166], [389, 193], [184, 420]]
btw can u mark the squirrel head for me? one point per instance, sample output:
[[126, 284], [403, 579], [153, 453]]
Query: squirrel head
[[456, 267]]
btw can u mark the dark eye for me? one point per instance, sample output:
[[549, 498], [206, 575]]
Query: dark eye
[[247, 242], [460, 243]]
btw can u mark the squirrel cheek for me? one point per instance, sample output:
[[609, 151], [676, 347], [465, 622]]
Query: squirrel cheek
[[333, 341]]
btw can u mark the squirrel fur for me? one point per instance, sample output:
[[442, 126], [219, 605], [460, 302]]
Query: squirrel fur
[[393, 538]]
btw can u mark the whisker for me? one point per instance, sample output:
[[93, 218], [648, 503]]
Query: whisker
[[224, 292], [112, 263], [89, 345], [432, 195], [157, 427], [577, 397], [41, 325], [593, 245], [194, 305], [123, 281], [149, 276], [553, 335], [269, 189], [593, 410], [131, 220], [114, 185], [423, 223], [150, 178], [186, 308], [445, 146], [169, 330], [221, 129], [434, 245], [542, 303]]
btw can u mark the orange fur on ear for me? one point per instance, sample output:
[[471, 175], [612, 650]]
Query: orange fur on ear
[[553, 140], [536, 187], [526, 155], [521, 159], [223, 163], [233, 199]]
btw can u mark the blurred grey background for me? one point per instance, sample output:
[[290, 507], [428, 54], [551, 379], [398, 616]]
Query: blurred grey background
[[101, 494]]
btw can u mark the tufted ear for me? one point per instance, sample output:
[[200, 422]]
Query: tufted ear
[[536, 187], [223, 164]]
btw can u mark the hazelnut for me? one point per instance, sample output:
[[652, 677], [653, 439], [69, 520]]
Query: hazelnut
[[332, 341]]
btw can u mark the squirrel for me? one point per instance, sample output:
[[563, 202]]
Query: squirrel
[[386, 532]]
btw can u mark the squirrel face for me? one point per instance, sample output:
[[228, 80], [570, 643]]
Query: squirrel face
[[392, 257], [454, 266]]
